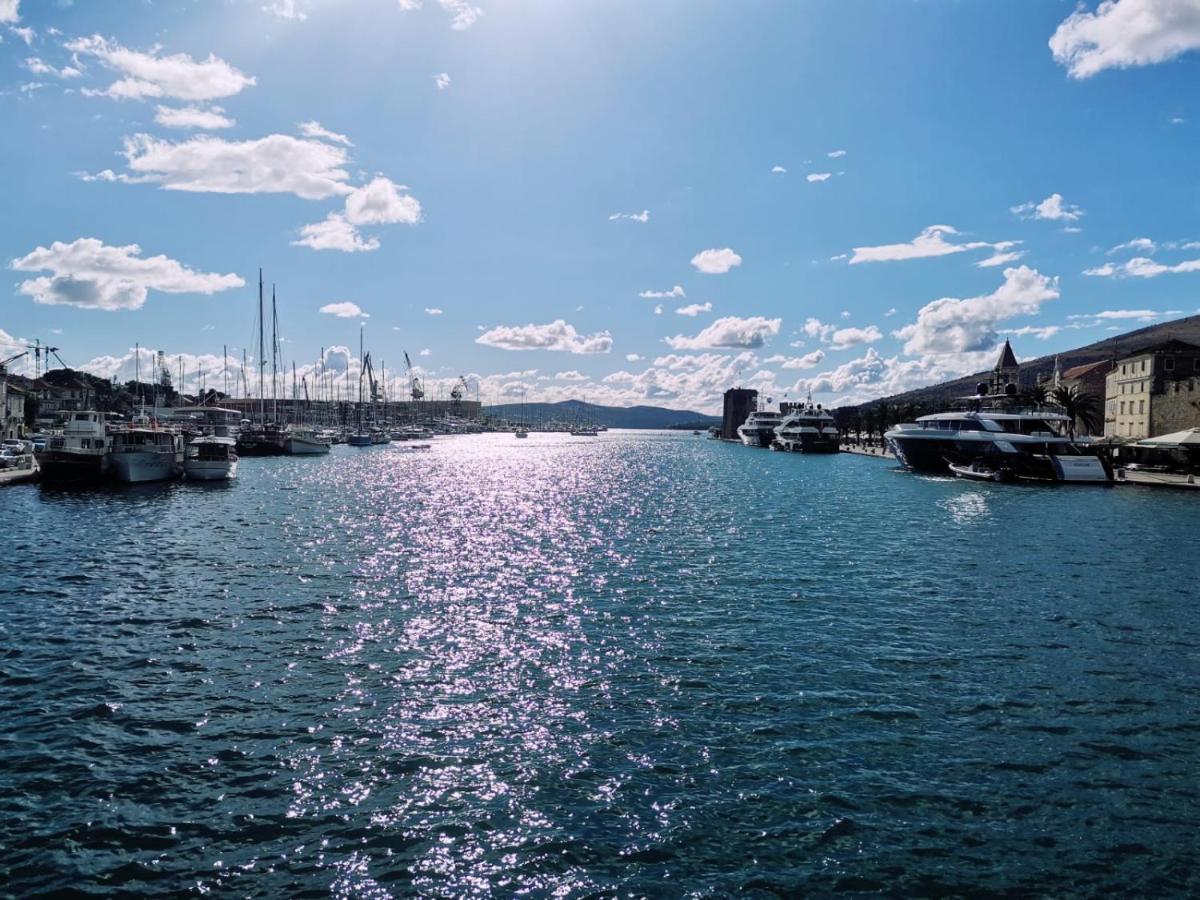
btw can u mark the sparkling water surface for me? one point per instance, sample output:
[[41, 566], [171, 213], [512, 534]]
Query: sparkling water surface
[[644, 664]]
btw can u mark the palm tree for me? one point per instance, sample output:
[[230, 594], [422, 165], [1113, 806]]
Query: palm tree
[[1079, 406], [1035, 395]]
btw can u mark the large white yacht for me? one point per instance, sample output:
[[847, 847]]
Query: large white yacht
[[809, 429], [1030, 444], [759, 428], [142, 453], [80, 452]]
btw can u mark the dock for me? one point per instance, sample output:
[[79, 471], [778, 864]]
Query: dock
[[20, 474], [1156, 479], [861, 450]]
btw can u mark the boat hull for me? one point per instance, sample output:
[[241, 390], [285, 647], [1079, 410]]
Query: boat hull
[[210, 469], [757, 437], [297, 446], [138, 466], [1039, 460], [66, 465]]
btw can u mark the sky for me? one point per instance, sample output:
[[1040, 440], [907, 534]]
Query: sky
[[623, 201]]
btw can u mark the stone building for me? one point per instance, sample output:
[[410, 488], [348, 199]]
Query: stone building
[[1090, 378], [1153, 391], [12, 409], [739, 403]]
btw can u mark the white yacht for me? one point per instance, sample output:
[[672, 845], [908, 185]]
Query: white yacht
[[211, 458], [809, 429], [141, 453], [80, 452], [1031, 444], [759, 428], [303, 441]]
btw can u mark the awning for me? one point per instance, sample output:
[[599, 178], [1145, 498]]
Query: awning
[[1188, 438]]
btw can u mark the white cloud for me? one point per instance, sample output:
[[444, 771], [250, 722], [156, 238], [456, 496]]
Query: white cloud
[[25, 34], [432, 311], [674, 292], [1143, 245], [89, 274], [335, 233], [929, 243], [844, 338], [316, 130], [1042, 334], [1053, 208], [277, 163], [442, 80], [807, 361], [643, 216], [658, 309], [1177, 120], [151, 75], [818, 176], [1142, 267], [729, 331], [192, 117], [836, 154], [716, 262], [956, 328], [1108, 315], [778, 170], [891, 312], [463, 14], [814, 327], [38, 66], [571, 376], [343, 310], [694, 309], [1124, 34], [632, 357], [425, 352], [1002, 254], [557, 335], [10, 11], [286, 9], [380, 202]]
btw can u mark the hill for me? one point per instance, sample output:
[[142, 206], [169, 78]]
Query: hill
[[592, 414], [1187, 329]]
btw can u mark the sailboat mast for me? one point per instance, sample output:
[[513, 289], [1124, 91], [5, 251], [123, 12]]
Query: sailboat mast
[[274, 360], [262, 357]]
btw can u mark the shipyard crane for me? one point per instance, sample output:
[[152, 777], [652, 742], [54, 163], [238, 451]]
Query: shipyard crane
[[460, 390], [5, 362], [416, 390]]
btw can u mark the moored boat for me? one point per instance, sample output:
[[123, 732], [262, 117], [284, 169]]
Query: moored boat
[[80, 453], [808, 429], [211, 458], [142, 453], [303, 441], [759, 428]]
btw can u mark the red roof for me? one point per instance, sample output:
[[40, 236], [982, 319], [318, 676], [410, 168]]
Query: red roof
[[1080, 371]]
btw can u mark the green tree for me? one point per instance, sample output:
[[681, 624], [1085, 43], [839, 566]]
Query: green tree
[[1078, 406]]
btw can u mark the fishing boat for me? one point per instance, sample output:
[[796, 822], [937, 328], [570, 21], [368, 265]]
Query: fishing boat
[[144, 453], [79, 453], [211, 458], [302, 441]]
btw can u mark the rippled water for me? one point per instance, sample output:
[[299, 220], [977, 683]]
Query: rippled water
[[645, 664]]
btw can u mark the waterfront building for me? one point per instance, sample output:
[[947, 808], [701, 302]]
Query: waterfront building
[[12, 409], [1089, 378], [739, 403], [1152, 391]]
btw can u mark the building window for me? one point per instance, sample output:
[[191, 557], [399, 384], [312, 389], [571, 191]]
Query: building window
[[1143, 365], [1169, 364], [1122, 407], [1122, 368], [1141, 407]]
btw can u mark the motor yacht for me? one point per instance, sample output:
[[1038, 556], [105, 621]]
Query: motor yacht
[[302, 441], [145, 453], [211, 458], [759, 428], [80, 452], [1031, 444], [808, 429]]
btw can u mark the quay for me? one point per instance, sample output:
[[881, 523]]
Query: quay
[[879, 452]]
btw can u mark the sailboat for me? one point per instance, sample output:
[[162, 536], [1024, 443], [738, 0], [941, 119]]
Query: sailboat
[[264, 438], [521, 432]]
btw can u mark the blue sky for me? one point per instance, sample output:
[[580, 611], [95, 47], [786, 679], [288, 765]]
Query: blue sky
[[849, 165]]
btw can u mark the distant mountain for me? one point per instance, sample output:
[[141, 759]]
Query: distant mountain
[[591, 414], [1187, 329]]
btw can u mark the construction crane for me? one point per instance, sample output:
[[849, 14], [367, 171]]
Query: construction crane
[[416, 390], [459, 390], [371, 382]]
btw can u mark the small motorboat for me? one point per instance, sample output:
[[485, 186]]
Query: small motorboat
[[522, 434], [981, 471], [412, 447], [211, 458]]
